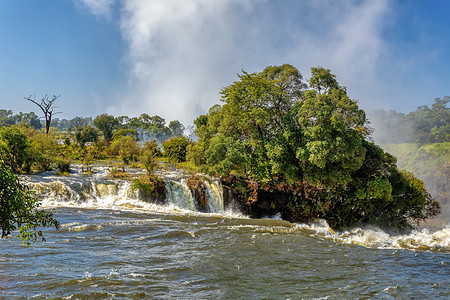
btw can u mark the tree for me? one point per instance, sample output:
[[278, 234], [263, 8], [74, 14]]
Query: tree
[[46, 105], [176, 128], [43, 150], [322, 80], [6, 117], [148, 156], [126, 132], [175, 148], [424, 125], [85, 135], [156, 126], [127, 148], [381, 194], [20, 210], [272, 132], [257, 111], [107, 124], [14, 149], [333, 129]]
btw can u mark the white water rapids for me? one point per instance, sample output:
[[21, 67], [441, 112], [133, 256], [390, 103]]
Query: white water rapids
[[98, 191], [114, 245]]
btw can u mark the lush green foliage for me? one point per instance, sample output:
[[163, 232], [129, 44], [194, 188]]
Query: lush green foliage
[[176, 128], [8, 119], [127, 148], [14, 148], [175, 149], [24, 148], [149, 153], [19, 209], [272, 130], [126, 132], [86, 135], [150, 186], [425, 125], [106, 124]]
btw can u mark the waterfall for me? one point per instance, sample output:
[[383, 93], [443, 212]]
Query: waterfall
[[100, 191], [178, 193], [215, 195]]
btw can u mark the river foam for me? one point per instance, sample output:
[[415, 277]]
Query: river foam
[[99, 192]]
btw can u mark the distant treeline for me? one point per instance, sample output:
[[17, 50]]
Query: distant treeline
[[147, 127], [424, 125]]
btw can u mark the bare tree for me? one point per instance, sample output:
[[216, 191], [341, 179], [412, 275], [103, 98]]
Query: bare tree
[[46, 107]]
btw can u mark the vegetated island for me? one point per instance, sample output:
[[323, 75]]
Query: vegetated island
[[280, 146]]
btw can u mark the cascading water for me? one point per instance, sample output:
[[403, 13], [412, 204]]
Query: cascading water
[[178, 193], [215, 195], [112, 244], [100, 191]]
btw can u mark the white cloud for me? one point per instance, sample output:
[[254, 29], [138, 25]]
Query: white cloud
[[350, 43], [181, 53], [100, 8]]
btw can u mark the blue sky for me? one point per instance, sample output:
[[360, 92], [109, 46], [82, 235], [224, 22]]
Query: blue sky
[[172, 57]]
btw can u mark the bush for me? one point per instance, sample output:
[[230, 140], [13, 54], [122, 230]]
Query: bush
[[151, 187], [15, 149], [175, 149], [127, 148]]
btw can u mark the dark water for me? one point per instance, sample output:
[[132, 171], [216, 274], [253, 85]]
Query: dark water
[[124, 254]]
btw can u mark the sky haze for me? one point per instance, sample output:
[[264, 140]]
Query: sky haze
[[172, 58]]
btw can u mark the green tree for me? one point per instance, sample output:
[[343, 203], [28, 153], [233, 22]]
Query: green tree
[[431, 125], [256, 115], [85, 135], [381, 194], [175, 149], [30, 119], [156, 126], [333, 127], [43, 150], [107, 124], [322, 81], [6, 118], [20, 210], [127, 148], [148, 156], [176, 128], [15, 149], [126, 132], [271, 131]]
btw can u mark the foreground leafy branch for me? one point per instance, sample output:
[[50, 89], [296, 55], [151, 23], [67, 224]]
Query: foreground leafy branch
[[20, 210]]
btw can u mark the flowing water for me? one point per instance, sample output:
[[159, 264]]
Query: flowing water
[[112, 245]]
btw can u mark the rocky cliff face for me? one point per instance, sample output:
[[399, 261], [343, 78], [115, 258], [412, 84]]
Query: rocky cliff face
[[295, 203]]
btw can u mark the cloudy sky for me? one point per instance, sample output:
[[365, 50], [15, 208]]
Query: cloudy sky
[[172, 57]]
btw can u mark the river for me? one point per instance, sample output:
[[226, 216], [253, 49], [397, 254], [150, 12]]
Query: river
[[111, 245]]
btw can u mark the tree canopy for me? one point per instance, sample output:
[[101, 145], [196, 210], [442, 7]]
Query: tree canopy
[[272, 129]]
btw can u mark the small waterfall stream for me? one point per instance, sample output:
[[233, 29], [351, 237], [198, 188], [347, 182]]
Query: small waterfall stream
[[178, 193], [79, 189]]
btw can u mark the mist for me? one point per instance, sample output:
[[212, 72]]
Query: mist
[[414, 140], [180, 54]]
